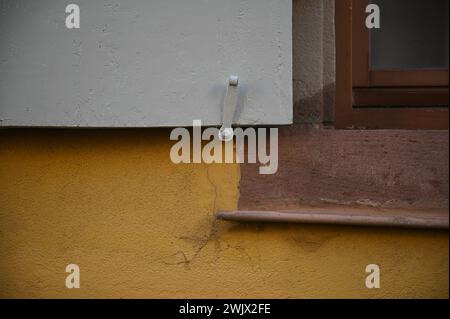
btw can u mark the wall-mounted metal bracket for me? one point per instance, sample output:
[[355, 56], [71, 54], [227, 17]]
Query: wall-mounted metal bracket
[[229, 108]]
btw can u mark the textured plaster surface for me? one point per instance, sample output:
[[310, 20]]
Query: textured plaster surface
[[139, 226]]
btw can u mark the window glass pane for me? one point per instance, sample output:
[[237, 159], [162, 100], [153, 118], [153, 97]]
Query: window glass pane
[[413, 35]]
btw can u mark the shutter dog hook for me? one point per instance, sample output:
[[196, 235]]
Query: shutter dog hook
[[226, 133]]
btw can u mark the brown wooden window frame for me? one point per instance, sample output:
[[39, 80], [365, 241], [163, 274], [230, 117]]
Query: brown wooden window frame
[[424, 91]]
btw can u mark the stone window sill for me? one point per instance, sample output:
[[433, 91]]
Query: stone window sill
[[438, 219]]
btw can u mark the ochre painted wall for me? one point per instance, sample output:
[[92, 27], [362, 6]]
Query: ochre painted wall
[[140, 226]]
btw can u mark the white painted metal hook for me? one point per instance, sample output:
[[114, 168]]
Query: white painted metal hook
[[226, 133]]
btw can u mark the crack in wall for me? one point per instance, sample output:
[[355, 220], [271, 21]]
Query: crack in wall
[[200, 242]]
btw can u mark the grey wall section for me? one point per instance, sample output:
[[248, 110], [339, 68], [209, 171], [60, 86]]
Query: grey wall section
[[140, 63], [314, 61]]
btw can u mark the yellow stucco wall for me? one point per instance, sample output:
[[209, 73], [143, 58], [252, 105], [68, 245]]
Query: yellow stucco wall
[[140, 226]]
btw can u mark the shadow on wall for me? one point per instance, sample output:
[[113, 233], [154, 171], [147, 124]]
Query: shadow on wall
[[317, 109]]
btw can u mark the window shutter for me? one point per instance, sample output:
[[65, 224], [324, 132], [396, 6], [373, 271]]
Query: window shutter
[[143, 63]]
